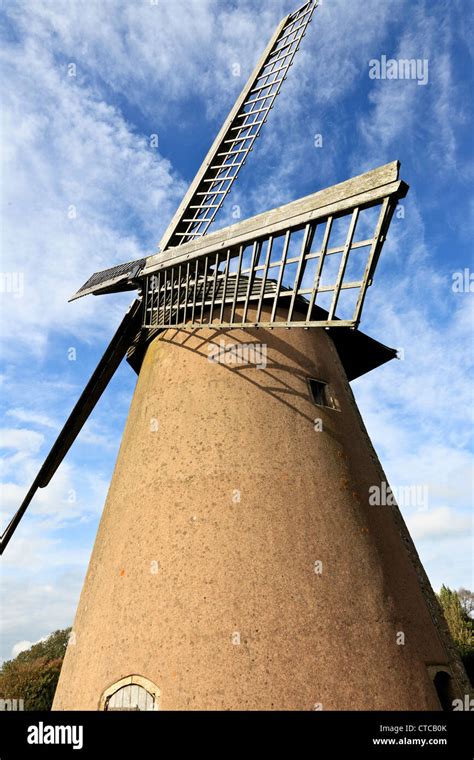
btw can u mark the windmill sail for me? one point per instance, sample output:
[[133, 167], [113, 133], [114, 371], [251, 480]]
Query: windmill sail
[[200, 205], [293, 258], [91, 394], [219, 170], [234, 142]]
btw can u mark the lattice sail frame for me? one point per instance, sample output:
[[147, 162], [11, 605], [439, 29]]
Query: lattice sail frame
[[292, 261], [234, 142], [228, 153]]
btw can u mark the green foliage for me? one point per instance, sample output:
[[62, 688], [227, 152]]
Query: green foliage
[[52, 648], [457, 607], [33, 674]]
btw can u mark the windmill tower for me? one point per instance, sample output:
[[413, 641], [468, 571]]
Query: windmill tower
[[239, 563]]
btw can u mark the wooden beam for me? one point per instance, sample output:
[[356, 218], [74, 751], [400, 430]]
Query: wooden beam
[[359, 191], [115, 352]]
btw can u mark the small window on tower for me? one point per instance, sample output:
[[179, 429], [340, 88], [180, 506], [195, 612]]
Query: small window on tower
[[321, 394]]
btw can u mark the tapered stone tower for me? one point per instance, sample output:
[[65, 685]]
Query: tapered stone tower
[[239, 562]]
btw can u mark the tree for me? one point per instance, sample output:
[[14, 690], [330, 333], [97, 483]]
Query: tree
[[466, 598], [33, 674], [456, 608]]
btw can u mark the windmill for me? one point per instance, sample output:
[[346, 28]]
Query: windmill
[[238, 563]]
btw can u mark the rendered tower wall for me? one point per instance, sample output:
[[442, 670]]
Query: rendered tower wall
[[231, 518]]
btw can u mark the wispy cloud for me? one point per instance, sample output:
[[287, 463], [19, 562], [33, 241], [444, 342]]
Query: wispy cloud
[[442, 522], [84, 189], [32, 418]]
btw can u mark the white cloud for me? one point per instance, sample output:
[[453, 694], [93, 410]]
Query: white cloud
[[27, 441], [20, 646], [70, 496], [443, 522], [23, 646], [31, 417], [77, 182], [420, 117], [48, 606]]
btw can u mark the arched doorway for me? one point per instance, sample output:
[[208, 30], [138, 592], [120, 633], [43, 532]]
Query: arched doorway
[[443, 686], [131, 694]]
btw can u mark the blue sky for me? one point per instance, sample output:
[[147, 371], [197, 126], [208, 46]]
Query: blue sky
[[82, 189]]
